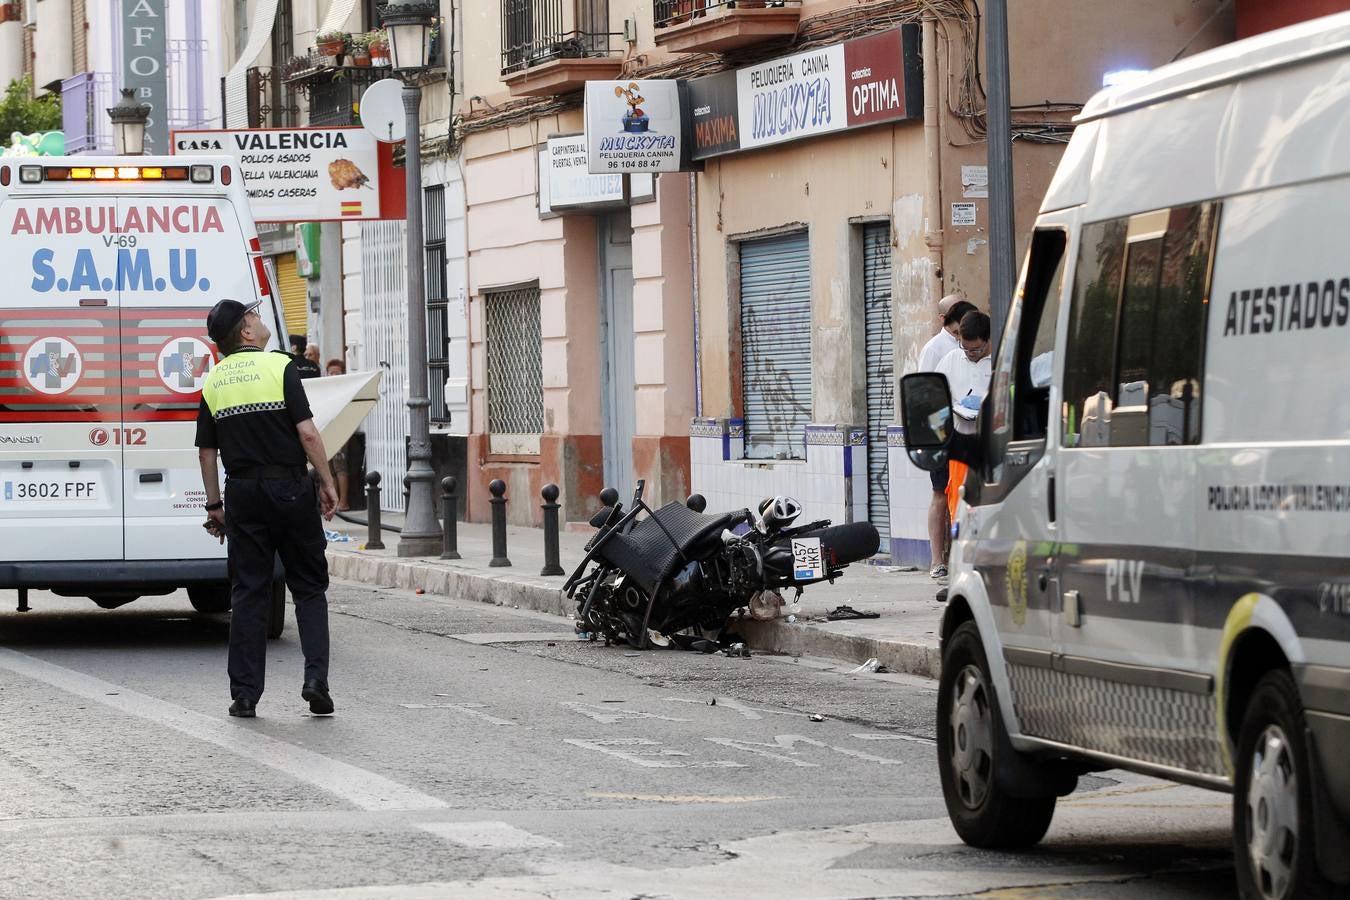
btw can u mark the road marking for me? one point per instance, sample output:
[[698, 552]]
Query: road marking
[[637, 752], [487, 835], [609, 717], [357, 786], [789, 743], [516, 637], [912, 738], [679, 798], [753, 713], [469, 709]]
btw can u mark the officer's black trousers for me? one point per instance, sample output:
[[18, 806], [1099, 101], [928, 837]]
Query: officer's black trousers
[[265, 517]]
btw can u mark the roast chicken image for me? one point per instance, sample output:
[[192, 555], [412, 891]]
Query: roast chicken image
[[344, 174]]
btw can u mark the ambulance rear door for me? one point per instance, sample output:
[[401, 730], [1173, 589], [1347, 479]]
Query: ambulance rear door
[[61, 428], [186, 252]]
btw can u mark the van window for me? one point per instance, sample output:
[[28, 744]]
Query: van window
[[1025, 362], [1136, 331], [1018, 406]]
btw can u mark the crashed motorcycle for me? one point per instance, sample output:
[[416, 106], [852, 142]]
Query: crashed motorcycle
[[653, 575]]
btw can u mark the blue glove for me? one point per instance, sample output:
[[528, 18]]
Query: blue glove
[[970, 401]]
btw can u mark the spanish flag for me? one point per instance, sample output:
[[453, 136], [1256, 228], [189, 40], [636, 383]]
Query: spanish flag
[[351, 208]]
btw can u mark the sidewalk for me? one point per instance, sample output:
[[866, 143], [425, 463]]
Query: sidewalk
[[903, 639]]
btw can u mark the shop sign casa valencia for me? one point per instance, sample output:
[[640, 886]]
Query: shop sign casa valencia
[[635, 126]]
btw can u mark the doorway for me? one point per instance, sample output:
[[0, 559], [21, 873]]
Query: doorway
[[618, 379]]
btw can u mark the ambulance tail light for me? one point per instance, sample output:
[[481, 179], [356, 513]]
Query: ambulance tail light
[[104, 173], [4, 176], [255, 250], [30, 174], [175, 173], [152, 173], [226, 176], [202, 174]]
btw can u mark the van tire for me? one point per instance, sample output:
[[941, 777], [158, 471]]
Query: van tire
[[276, 620], [209, 598], [1272, 751], [970, 738]]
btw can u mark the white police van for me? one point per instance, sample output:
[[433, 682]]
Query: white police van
[[110, 265], [1150, 563]]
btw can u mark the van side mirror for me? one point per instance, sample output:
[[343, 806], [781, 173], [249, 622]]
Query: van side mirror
[[926, 413]]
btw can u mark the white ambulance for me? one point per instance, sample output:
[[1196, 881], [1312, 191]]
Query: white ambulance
[[1150, 564], [110, 265]]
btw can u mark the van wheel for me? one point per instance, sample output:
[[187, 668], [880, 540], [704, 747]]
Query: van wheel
[[209, 598], [276, 620], [1273, 840], [970, 739]]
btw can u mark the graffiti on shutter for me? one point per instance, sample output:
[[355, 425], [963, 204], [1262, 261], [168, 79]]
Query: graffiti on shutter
[[880, 369], [776, 345]]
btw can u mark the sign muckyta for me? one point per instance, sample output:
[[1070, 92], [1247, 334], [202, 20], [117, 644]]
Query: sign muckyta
[[143, 43], [298, 174], [634, 126]]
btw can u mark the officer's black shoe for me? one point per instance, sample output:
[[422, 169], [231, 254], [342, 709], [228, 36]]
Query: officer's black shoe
[[244, 708], [316, 692]]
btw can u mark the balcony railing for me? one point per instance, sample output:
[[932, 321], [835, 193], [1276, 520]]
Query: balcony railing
[[271, 102], [722, 25], [540, 31], [677, 12]]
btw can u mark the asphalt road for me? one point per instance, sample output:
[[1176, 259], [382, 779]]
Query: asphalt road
[[481, 752]]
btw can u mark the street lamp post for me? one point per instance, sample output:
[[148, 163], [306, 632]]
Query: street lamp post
[[409, 23], [128, 119]]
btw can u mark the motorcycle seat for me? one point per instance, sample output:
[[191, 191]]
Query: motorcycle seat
[[647, 554]]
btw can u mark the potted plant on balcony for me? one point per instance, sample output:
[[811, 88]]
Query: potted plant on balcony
[[379, 47], [359, 47], [680, 11], [331, 44]]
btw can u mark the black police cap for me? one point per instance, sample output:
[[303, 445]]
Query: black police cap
[[222, 318]]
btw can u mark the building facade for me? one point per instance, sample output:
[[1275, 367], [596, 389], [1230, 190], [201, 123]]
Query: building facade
[[355, 306]]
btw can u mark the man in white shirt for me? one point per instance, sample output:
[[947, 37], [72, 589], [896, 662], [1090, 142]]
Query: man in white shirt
[[950, 310], [968, 369], [944, 342]]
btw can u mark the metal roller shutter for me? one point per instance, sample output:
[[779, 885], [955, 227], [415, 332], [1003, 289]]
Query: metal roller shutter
[[880, 370], [294, 293], [776, 345]]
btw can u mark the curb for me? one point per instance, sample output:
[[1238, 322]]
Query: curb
[[498, 590], [523, 592], [798, 639]]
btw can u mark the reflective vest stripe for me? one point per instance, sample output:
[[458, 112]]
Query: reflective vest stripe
[[246, 382]]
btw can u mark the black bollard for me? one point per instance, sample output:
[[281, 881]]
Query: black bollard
[[450, 510], [550, 507], [373, 541], [498, 491]]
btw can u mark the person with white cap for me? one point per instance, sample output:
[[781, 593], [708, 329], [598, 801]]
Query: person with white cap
[[255, 419]]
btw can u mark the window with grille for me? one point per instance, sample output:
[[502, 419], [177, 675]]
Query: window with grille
[[515, 380], [438, 301]]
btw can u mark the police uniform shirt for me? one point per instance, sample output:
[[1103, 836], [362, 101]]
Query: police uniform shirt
[[251, 403], [307, 367]]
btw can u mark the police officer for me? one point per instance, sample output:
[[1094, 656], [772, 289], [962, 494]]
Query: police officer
[[308, 368], [254, 414]]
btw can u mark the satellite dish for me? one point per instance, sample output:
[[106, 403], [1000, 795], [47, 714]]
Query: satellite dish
[[382, 111]]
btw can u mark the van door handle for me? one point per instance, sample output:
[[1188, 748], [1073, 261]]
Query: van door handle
[[151, 477], [1050, 497]]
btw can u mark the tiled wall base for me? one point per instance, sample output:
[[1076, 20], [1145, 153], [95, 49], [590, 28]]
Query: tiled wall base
[[911, 492], [831, 482]]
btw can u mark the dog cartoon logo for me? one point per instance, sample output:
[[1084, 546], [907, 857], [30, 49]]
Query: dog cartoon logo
[[635, 121], [52, 365], [183, 364]]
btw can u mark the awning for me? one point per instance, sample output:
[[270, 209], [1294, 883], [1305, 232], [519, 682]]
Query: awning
[[236, 80]]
